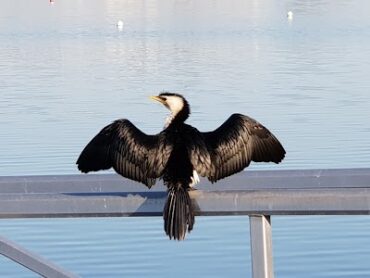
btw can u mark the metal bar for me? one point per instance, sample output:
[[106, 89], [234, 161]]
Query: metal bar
[[32, 261], [261, 246], [343, 201]]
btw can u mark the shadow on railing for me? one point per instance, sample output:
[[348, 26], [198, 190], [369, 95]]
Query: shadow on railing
[[258, 194]]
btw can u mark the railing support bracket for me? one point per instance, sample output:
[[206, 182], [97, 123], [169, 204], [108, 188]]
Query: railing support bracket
[[32, 261]]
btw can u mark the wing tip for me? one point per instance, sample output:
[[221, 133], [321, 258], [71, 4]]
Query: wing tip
[[85, 166], [278, 154], [81, 168], [84, 171]]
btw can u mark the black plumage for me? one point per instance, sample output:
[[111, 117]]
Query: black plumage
[[176, 152]]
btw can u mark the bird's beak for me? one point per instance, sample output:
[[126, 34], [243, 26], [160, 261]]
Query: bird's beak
[[157, 98]]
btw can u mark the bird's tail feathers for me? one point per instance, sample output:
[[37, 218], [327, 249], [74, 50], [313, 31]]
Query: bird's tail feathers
[[178, 213]]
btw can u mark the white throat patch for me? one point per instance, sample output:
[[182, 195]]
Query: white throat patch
[[168, 120], [175, 105]]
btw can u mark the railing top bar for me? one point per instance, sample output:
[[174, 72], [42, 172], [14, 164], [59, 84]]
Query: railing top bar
[[342, 191], [338, 201], [247, 180]]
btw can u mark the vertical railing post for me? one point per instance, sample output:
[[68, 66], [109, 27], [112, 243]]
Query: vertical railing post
[[261, 246]]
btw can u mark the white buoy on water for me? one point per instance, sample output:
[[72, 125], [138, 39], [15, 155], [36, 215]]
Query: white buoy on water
[[119, 24], [290, 15]]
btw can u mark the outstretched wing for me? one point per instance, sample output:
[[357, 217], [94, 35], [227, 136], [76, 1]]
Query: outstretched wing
[[132, 153], [237, 142]]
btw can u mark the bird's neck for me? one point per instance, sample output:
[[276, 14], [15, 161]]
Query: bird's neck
[[178, 118]]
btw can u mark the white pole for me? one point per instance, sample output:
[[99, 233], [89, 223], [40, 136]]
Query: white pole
[[261, 246]]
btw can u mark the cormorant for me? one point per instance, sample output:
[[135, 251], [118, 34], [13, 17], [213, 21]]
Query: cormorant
[[178, 154]]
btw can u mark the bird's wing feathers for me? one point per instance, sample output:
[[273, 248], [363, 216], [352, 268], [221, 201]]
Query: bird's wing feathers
[[237, 142], [216, 155], [132, 153]]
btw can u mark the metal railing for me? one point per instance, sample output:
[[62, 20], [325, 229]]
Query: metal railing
[[259, 194]]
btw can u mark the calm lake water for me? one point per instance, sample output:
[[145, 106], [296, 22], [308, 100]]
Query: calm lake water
[[66, 71]]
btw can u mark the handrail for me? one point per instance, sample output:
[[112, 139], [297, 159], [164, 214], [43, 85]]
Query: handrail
[[258, 194]]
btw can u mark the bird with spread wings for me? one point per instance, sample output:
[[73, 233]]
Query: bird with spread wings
[[179, 154]]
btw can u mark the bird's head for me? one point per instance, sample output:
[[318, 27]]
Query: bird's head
[[176, 103]]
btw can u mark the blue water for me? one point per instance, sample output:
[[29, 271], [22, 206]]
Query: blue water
[[66, 70]]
